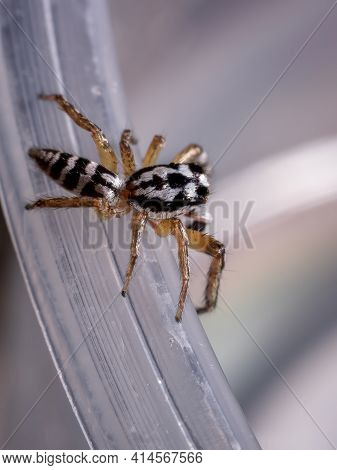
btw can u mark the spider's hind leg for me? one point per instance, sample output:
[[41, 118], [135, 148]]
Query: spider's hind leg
[[103, 208], [61, 202], [106, 154]]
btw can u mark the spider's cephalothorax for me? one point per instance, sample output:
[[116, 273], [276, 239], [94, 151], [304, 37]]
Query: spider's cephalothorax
[[157, 194], [166, 191]]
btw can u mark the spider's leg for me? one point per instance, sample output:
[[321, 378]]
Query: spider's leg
[[182, 239], [106, 154], [153, 151], [100, 204], [199, 218], [176, 227], [193, 153], [138, 225], [128, 158], [207, 244], [59, 202]]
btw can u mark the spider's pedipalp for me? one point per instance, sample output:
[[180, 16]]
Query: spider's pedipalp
[[198, 218]]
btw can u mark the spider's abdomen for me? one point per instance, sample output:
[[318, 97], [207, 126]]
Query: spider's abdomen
[[77, 174], [164, 191]]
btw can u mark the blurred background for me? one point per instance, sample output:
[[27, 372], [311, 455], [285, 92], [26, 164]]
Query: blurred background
[[254, 82]]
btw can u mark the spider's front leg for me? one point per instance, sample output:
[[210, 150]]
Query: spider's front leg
[[138, 224], [106, 154], [207, 244], [176, 228], [182, 240]]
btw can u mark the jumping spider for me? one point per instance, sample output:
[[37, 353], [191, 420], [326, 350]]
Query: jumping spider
[[157, 194]]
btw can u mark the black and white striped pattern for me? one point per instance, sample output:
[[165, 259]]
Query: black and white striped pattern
[[165, 191], [77, 174]]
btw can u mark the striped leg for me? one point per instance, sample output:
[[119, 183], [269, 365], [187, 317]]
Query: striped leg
[[207, 244], [106, 154], [176, 227], [138, 225], [128, 158], [153, 151]]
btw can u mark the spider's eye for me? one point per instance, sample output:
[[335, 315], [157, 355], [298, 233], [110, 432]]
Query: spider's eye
[[202, 191]]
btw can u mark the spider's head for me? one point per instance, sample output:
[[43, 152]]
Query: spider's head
[[165, 191]]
